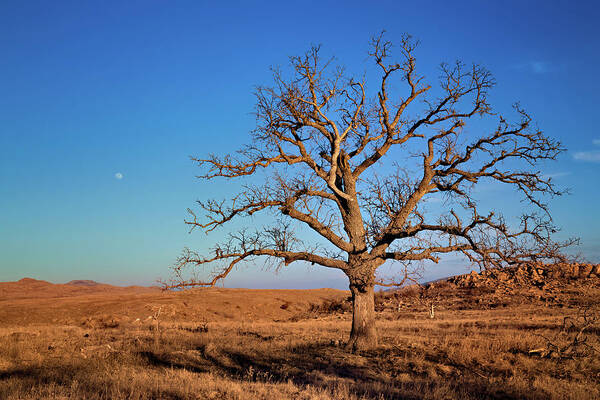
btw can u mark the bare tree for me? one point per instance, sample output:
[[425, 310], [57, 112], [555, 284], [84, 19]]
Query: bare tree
[[357, 168]]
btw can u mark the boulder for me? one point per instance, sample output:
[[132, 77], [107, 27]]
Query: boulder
[[585, 270], [502, 276], [575, 270]]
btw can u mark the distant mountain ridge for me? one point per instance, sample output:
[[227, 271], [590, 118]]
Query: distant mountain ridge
[[28, 288], [83, 282], [29, 280]]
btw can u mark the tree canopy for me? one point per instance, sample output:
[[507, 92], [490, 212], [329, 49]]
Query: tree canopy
[[355, 161]]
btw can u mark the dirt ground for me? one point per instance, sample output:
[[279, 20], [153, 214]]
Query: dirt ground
[[86, 341]]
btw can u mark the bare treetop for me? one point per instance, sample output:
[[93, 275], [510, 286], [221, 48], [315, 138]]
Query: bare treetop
[[356, 169]]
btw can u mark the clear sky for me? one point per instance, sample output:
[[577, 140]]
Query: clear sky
[[102, 103]]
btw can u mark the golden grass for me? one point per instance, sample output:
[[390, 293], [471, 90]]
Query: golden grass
[[85, 352]]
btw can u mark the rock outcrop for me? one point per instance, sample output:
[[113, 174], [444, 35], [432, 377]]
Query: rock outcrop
[[538, 275], [576, 284]]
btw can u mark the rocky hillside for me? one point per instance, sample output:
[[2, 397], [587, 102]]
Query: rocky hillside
[[560, 285], [539, 275]]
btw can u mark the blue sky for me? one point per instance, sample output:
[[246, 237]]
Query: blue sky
[[89, 90]]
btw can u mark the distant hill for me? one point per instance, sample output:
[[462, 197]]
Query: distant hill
[[28, 288], [30, 281], [84, 282]]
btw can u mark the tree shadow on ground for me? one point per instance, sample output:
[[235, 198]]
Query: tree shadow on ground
[[390, 372], [383, 373]]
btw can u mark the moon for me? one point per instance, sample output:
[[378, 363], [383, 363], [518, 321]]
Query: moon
[[119, 175]]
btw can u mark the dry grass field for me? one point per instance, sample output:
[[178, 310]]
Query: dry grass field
[[82, 341]]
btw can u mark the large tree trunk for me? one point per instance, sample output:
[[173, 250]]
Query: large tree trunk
[[363, 335]]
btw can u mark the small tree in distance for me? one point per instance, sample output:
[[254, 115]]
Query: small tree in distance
[[358, 169]]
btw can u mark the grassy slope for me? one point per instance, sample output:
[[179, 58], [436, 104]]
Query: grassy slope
[[247, 344]]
